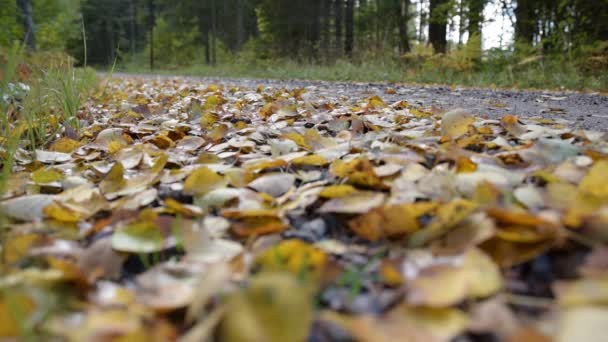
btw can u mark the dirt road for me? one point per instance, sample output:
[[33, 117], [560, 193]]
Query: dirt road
[[584, 110]]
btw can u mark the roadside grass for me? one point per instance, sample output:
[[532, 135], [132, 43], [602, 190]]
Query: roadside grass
[[40, 96], [548, 74]]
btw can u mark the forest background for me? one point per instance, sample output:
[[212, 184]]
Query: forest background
[[555, 44]]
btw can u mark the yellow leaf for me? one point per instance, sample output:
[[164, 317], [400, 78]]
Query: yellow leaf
[[114, 181], [310, 160], [203, 180], [274, 307], [246, 223], [295, 256], [114, 146], [464, 164], [14, 306], [390, 274], [358, 172], [61, 212], [161, 141], [208, 120], [455, 123], [218, 133], [298, 139], [448, 216], [213, 101], [375, 102], [511, 124], [44, 176], [470, 276], [402, 323], [594, 183], [390, 221], [17, 247], [181, 208], [65, 145], [337, 191], [265, 165]]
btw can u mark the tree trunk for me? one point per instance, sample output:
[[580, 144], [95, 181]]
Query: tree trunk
[[151, 23], [132, 37], [111, 40], [350, 27], [525, 24], [422, 23], [338, 13], [240, 24], [325, 26], [315, 31], [27, 19], [438, 26], [461, 26], [203, 29], [475, 16], [213, 33], [403, 8]]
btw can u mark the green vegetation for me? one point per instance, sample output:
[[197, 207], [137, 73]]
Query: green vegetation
[[40, 95], [494, 71], [555, 44]]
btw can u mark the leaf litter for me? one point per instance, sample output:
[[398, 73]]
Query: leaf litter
[[214, 212]]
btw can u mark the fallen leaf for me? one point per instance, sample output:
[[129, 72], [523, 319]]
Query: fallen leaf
[[203, 180], [356, 203], [455, 123]]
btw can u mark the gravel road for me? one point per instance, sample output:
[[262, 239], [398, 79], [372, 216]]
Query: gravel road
[[584, 110]]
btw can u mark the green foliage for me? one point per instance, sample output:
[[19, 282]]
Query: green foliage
[[10, 28], [57, 22]]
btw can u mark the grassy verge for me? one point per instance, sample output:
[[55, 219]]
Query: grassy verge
[[40, 99], [552, 75]]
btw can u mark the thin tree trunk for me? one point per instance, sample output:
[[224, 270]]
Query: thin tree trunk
[[475, 19], [132, 27], [338, 8], [461, 26], [403, 7], [325, 27], [525, 25], [315, 34], [438, 26], [423, 23], [240, 24], [27, 19], [350, 27], [111, 41], [213, 33], [151, 23]]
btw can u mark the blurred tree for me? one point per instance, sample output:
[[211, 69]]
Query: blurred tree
[[25, 11], [438, 24], [349, 23], [525, 25]]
